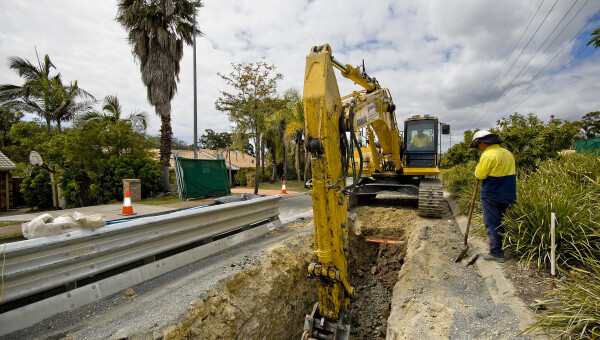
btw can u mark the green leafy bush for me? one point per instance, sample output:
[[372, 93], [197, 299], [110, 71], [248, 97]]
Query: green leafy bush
[[240, 176], [77, 187], [109, 180], [37, 190]]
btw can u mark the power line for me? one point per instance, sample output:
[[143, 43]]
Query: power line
[[581, 51], [511, 66], [556, 37], [506, 58], [557, 54], [577, 55]]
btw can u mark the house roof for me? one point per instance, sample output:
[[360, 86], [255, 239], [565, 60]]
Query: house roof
[[6, 164], [238, 159]]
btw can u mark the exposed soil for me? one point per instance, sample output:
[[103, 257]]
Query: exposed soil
[[264, 301], [531, 284], [374, 266], [409, 289]]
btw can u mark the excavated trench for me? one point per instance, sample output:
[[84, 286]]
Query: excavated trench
[[270, 300]]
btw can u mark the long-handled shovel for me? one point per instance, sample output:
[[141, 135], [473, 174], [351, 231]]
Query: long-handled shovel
[[464, 251]]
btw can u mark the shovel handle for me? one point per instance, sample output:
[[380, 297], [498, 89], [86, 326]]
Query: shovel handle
[[471, 212]]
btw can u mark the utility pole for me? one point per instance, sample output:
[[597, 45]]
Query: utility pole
[[195, 95]]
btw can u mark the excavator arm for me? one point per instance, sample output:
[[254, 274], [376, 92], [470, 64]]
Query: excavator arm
[[325, 126]]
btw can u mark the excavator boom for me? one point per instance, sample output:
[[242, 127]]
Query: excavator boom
[[391, 163], [325, 139]]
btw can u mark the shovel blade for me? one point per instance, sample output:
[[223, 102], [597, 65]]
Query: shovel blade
[[462, 254]]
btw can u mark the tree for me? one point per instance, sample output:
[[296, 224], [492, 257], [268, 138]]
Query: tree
[[532, 141], [8, 117], [68, 107], [180, 144], [215, 140], [157, 30], [253, 84], [527, 137], [42, 94], [112, 111], [295, 126], [93, 157], [595, 40], [461, 153], [274, 138], [590, 124]]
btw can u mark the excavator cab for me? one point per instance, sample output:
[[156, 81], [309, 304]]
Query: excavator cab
[[421, 142]]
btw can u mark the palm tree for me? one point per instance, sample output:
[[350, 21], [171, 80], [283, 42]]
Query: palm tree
[[67, 107], [42, 94], [157, 30], [273, 135], [295, 126], [112, 111]]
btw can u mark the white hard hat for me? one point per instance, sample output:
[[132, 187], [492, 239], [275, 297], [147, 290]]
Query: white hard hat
[[479, 135]]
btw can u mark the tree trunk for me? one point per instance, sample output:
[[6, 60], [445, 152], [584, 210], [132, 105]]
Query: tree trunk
[[230, 177], [273, 162], [58, 126], [306, 166], [166, 135], [257, 150], [48, 128], [285, 153], [298, 155], [262, 157]]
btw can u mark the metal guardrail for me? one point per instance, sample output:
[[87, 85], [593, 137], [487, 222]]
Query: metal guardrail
[[38, 265]]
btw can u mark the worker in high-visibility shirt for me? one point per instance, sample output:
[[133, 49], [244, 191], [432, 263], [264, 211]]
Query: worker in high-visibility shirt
[[497, 173], [420, 140]]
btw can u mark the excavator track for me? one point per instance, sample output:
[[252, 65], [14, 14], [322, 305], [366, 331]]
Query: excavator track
[[431, 198]]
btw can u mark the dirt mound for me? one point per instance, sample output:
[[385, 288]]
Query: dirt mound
[[380, 222], [267, 301]]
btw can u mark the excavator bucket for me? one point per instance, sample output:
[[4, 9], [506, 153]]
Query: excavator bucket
[[320, 328]]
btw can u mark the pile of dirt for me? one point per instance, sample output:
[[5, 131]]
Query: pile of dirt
[[266, 301], [436, 298]]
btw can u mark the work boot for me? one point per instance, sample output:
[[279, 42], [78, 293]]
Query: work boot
[[490, 257]]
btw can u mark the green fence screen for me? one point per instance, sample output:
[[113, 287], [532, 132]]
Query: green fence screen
[[201, 177], [591, 145]]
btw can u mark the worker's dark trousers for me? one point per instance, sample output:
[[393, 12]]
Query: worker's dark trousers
[[492, 216]]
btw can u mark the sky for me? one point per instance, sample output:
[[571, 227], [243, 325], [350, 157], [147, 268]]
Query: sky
[[469, 62]]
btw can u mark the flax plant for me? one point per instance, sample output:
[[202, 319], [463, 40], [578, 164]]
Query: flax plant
[[573, 307], [569, 187], [459, 181]]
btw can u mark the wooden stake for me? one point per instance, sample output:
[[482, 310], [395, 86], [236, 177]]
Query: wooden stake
[[553, 248]]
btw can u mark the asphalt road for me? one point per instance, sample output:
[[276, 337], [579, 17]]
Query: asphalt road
[[293, 207], [161, 301]]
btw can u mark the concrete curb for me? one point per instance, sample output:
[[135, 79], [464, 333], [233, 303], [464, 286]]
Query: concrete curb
[[500, 288]]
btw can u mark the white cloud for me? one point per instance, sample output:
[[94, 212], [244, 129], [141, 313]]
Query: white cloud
[[436, 57]]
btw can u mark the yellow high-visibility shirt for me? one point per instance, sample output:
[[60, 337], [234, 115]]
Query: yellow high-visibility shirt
[[420, 142], [497, 170]]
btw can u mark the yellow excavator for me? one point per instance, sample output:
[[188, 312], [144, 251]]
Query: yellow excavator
[[394, 163]]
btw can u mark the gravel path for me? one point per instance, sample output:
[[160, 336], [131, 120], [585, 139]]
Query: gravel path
[[436, 298]]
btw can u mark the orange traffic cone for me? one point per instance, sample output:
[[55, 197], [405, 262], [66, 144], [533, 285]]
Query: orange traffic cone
[[127, 208], [283, 188]]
